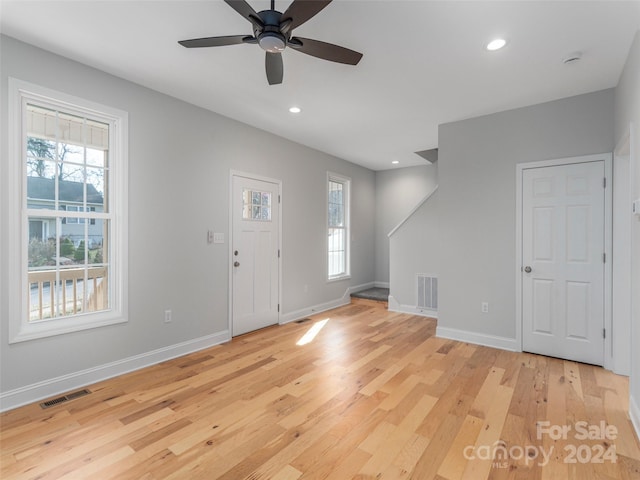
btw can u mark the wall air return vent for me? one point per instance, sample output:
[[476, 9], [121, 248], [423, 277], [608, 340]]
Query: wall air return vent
[[427, 291]]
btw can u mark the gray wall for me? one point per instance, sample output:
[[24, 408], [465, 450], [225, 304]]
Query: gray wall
[[180, 157], [414, 248], [476, 199], [398, 191], [627, 111]]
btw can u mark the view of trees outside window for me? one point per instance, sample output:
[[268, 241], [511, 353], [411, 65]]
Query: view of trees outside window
[[67, 172]]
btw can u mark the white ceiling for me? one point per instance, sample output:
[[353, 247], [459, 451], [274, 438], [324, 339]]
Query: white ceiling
[[424, 62]]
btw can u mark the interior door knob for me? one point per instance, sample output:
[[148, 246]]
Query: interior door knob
[[236, 264], [527, 269]]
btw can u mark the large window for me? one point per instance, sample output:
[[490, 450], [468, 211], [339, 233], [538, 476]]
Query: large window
[[69, 157], [338, 226]]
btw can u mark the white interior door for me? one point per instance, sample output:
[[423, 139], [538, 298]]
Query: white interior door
[[254, 254], [563, 225]]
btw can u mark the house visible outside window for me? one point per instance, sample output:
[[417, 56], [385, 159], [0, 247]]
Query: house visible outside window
[[69, 159], [338, 226]]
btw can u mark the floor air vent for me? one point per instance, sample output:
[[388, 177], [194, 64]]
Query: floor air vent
[[65, 398], [427, 291]]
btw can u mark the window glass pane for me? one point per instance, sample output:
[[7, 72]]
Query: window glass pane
[[41, 155], [70, 173], [70, 153], [41, 185], [336, 204], [97, 235], [42, 285], [96, 179], [96, 158], [42, 249], [336, 215], [336, 251]]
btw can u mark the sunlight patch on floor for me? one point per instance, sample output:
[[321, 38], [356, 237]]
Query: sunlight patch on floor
[[312, 332]]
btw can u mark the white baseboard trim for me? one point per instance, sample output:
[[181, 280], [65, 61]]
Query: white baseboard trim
[[323, 307], [306, 312], [381, 284], [65, 383], [502, 343], [359, 288], [634, 414], [395, 306]]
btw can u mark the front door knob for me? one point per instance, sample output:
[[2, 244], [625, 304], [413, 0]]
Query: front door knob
[[527, 269], [236, 264]]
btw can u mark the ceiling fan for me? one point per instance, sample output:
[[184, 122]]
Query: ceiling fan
[[272, 31]]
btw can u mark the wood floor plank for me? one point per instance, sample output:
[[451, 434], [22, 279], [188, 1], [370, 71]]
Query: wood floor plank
[[479, 468], [374, 396], [454, 463]]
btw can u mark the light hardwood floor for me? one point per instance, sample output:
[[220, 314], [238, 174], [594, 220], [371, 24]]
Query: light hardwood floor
[[375, 395]]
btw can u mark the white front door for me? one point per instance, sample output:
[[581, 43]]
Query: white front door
[[254, 254], [563, 224]]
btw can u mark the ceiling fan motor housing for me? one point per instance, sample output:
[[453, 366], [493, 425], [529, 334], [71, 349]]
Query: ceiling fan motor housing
[[270, 38]]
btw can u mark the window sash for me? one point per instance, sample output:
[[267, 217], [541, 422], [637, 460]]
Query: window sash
[[337, 227]]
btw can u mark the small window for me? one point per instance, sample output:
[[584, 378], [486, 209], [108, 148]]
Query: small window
[[338, 227], [70, 158], [256, 206]]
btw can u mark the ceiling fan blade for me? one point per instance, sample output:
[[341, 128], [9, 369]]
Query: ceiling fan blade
[[244, 9], [326, 51], [216, 41], [300, 11], [275, 69]]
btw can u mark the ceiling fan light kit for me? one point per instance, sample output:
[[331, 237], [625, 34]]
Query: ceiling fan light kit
[[272, 32]]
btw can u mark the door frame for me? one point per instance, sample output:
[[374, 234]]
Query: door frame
[[608, 232], [252, 176]]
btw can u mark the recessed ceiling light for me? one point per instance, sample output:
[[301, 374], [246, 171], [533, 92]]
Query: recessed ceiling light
[[496, 44], [295, 110], [395, 162]]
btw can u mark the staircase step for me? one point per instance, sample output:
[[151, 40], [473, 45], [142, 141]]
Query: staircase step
[[377, 297], [370, 303]]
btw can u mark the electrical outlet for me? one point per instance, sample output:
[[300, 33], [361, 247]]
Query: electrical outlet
[[167, 316], [485, 307]]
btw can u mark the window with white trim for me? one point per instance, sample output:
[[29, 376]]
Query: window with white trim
[[69, 159], [338, 226]]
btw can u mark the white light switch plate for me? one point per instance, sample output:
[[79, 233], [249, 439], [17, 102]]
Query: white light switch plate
[[218, 238]]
